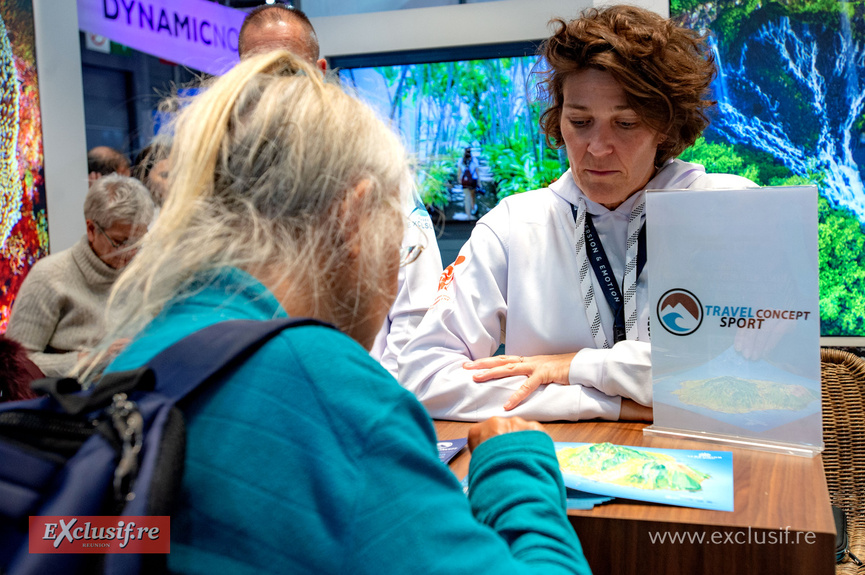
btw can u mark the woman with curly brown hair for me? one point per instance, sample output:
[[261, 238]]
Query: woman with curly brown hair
[[556, 273]]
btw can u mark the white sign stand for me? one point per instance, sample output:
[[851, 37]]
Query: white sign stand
[[734, 296]]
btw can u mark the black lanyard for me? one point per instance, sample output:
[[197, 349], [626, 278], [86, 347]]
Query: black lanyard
[[604, 272]]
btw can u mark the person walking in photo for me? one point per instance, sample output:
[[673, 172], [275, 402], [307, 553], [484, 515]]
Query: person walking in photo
[[467, 168]]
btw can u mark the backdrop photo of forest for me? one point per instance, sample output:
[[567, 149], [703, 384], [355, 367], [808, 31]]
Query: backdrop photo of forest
[[441, 108]]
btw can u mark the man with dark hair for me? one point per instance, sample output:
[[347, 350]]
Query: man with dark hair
[[103, 160], [278, 27]]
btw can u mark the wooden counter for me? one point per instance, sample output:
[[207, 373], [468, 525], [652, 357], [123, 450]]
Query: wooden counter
[[782, 521]]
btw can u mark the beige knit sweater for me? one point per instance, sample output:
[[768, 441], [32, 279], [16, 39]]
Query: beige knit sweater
[[60, 307]]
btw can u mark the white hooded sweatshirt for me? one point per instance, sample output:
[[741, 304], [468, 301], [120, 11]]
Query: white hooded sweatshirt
[[516, 282]]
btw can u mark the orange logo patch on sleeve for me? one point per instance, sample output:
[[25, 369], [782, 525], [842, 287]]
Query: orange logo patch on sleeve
[[448, 275]]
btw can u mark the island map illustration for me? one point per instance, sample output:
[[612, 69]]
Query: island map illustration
[[754, 396], [730, 394], [702, 479]]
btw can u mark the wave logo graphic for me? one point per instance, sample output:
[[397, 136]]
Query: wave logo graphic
[[680, 312]]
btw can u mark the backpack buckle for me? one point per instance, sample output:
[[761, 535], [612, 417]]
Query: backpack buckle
[[129, 425]]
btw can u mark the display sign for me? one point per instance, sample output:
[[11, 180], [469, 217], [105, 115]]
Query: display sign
[[733, 291], [195, 33]]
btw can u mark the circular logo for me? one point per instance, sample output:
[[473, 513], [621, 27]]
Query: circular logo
[[680, 312]]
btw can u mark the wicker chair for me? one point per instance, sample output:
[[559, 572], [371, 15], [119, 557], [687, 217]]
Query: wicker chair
[[843, 384]]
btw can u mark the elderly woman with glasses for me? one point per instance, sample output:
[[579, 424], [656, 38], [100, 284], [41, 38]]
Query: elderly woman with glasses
[[286, 199], [58, 314]]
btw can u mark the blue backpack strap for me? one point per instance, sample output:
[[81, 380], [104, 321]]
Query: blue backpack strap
[[213, 350], [179, 369]]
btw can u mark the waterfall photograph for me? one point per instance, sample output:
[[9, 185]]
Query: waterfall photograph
[[790, 91]]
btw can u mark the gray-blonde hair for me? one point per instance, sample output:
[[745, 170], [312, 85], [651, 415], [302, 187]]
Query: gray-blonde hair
[[266, 165], [115, 198]]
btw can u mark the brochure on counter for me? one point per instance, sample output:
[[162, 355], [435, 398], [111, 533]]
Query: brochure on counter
[[449, 448], [595, 473], [700, 479]]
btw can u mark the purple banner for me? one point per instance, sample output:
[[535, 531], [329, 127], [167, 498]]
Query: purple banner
[[194, 33]]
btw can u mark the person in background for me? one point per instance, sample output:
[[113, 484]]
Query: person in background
[[58, 314], [275, 27], [103, 160], [278, 27], [467, 171], [287, 200], [628, 93], [151, 169]]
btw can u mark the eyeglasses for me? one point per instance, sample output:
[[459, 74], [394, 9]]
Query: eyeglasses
[[114, 244], [413, 243]]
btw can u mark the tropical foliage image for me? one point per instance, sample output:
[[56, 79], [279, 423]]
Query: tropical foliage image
[[441, 108]]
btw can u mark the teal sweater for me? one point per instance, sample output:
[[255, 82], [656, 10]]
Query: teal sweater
[[310, 458]]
